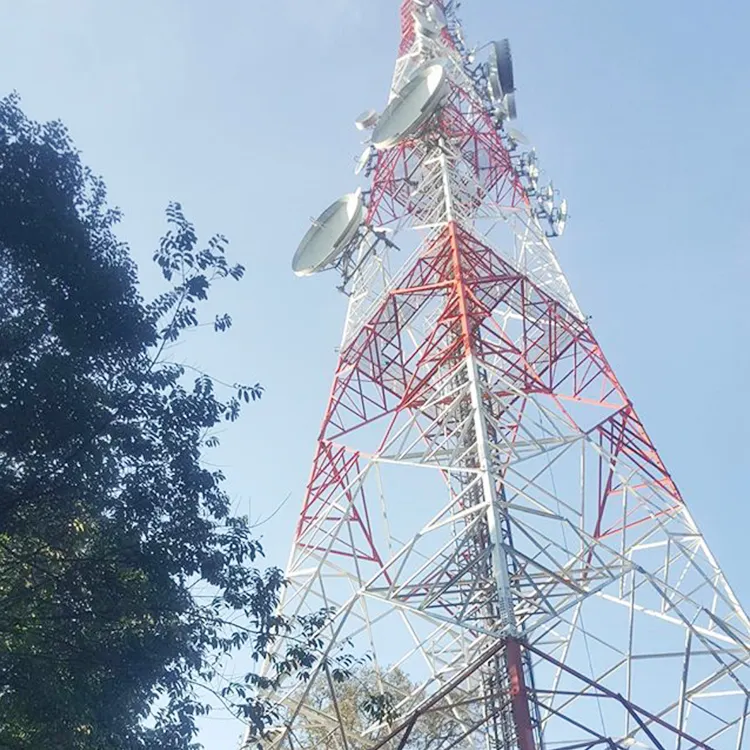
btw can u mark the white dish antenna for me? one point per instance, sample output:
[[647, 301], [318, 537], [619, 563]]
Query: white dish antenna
[[500, 79], [328, 236], [411, 107], [363, 160], [501, 65], [517, 136], [367, 120]]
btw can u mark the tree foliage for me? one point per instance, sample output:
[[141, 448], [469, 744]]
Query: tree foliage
[[366, 707], [109, 519]]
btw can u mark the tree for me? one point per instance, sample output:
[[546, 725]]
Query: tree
[[368, 705], [109, 519]]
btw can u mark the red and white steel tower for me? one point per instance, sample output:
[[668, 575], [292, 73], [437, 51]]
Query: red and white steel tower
[[486, 512]]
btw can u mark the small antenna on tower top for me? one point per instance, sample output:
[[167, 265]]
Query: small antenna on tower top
[[367, 120]]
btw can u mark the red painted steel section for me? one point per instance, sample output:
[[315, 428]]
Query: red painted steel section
[[557, 355], [407, 27], [519, 696]]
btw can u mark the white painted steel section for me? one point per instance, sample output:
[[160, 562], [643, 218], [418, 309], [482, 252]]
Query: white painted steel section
[[499, 563]]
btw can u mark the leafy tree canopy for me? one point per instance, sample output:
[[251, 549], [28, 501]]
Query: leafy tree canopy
[[362, 710], [109, 519]]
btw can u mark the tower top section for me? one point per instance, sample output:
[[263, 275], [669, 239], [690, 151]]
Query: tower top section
[[444, 100], [427, 19]]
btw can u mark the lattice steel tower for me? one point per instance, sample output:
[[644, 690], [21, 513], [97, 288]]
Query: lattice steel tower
[[486, 514]]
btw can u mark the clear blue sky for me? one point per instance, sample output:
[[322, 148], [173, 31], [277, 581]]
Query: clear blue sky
[[243, 111]]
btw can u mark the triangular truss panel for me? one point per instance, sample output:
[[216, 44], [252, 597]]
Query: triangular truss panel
[[486, 516]]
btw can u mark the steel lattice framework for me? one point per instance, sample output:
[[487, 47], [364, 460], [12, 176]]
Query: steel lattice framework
[[486, 511]]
